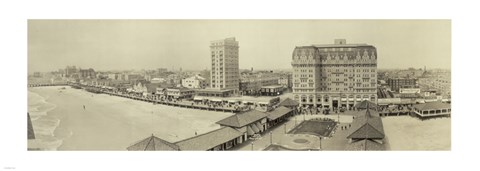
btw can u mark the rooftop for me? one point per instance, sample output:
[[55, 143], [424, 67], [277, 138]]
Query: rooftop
[[365, 145], [153, 143], [288, 103], [367, 127], [241, 119], [208, 140], [278, 112], [432, 106]]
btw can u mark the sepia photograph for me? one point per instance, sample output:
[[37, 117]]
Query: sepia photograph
[[239, 85]]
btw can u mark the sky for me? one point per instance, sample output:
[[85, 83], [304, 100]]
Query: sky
[[264, 44]]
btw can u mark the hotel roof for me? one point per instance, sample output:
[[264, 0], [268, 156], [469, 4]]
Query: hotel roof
[[278, 112], [209, 140], [153, 143], [241, 119]]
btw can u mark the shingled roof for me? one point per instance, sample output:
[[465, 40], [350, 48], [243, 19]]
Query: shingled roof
[[209, 140], [367, 127], [366, 104], [288, 103], [31, 133], [278, 112], [241, 119], [153, 143], [432, 106], [365, 145]]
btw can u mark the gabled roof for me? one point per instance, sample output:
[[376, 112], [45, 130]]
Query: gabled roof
[[241, 119], [209, 140], [366, 104], [288, 103], [278, 112], [153, 143], [31, 133], [432, 106], [365, 145], [367, 127]]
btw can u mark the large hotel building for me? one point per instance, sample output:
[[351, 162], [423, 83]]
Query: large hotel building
[[334, 75], [225, 71]]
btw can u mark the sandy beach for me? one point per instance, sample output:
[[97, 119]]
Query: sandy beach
[[408, 133], [108, 122]]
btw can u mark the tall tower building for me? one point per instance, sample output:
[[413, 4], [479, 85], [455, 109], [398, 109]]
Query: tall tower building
[[225, 73], [334, 75]]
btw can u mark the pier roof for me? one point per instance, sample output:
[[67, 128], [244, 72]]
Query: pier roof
[[278, 112], [367, 127], [242, 119], [209, 140], [153, 143]]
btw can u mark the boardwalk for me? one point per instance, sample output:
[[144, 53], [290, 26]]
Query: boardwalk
[[183, 104]]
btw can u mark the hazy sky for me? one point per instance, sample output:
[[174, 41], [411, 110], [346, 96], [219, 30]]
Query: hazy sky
[[264, 44]]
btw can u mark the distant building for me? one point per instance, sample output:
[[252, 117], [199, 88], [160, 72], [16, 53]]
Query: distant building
[[225, 71], [37, 74], [196, 82], [87, 73], [396, 83], [180, 93], [334, 75], [158, 80], [133, 77], [251, 84], [70, 70], [286, 81], [162, 70]]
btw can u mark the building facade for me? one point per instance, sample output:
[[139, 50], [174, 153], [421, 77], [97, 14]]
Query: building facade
[[87, 73], [334, 75], [225, 71], [252, 84], [196, 82], [396, 83]]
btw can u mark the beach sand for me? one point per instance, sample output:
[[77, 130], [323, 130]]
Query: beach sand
[[409, 133], [110, 122]]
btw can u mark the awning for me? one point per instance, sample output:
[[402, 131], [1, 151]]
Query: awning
[[198, 98], [247, 102], [358, 100], [259, 126], [216, 100], [255, 128], [350, 99], [344, 99], [250, 131], [233, 101]]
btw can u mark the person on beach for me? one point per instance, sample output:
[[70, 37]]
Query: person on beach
[[83, 107]]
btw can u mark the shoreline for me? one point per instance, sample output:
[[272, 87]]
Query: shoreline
[[124, 120]]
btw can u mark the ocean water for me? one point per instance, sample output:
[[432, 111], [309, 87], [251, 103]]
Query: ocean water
[[44, 125]]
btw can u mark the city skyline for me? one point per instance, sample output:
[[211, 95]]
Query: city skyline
[[150, 44]]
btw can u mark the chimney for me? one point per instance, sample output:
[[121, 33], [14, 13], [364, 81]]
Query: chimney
[[340, 41]]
